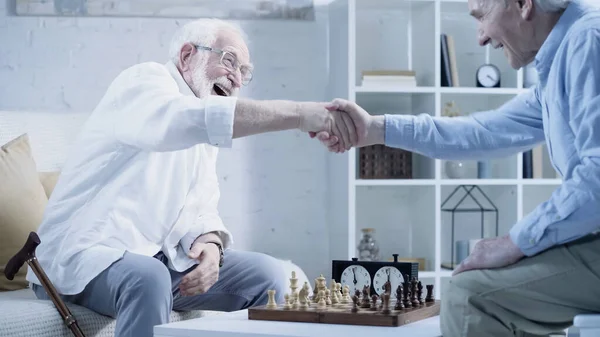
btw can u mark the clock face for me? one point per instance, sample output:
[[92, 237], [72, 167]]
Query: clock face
[[356, 277], [488, 75], [383, 275]]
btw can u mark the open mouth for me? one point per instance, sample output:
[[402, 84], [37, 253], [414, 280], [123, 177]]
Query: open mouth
[[220, 91]]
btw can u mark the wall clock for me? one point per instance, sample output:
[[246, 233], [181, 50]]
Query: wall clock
[[488, 76]]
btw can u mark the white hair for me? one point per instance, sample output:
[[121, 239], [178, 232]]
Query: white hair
[[202, 32]]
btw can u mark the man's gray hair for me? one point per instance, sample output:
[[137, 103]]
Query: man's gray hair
[[201, 32]]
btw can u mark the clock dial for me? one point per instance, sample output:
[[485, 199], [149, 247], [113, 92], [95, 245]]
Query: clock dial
[[488, 75], [385, 274], [356, 277]]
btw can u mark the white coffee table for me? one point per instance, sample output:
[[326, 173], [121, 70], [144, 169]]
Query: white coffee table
[[236, 324]]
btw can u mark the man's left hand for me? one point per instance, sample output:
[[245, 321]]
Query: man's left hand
[[206, 273], [491, 253]]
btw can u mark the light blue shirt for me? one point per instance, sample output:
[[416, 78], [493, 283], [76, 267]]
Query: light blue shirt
[[563, 110]]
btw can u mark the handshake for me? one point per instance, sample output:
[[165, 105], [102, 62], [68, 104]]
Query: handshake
[[341, 124]]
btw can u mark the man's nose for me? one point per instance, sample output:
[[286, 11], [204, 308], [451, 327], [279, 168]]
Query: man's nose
[[482, 38], [236, 78]]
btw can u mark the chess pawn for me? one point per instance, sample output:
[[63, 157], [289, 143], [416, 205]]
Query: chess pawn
[[327, 297], [315, 297], [271, 304], [374, 302], [346, 295], [287, 304], [354, 304], [322, 303], [420, 292]]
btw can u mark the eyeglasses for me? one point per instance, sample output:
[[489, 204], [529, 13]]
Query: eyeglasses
[[229, 61]]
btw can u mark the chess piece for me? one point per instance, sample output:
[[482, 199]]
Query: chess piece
[[354, 304], [303, 296], [374, 302], [293, 285], [399, 305], [338, 287], [346, 295], [333, 292], [315, 296], [413, 291], [365, 297], [406, 295], [271, 301], [420, 292], [287, 304], [386, 304], [357, 293], [429, 297], [322, 303], [328, 297]]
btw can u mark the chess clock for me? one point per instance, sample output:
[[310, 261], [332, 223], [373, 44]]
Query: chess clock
[[356, 273], [488, 76]]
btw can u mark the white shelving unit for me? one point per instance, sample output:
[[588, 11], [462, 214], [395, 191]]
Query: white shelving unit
[[406, 213]]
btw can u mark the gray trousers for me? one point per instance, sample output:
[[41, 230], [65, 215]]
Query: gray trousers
[[536, 296], [140, 291]]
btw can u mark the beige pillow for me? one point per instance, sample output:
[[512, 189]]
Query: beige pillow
[[49, 180], [22, 204]]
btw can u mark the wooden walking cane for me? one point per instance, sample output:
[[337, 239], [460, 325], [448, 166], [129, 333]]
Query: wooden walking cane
[[27, 254]]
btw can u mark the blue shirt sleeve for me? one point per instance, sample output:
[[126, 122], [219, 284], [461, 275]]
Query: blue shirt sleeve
[[514, 127], [573, 210]]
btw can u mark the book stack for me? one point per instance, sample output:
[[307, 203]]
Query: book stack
[[389, 78]]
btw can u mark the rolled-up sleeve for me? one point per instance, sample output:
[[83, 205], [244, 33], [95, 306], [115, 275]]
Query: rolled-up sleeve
[[150, 113]]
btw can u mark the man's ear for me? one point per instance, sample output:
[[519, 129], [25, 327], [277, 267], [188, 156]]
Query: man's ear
[[526, 8], [185, 56]]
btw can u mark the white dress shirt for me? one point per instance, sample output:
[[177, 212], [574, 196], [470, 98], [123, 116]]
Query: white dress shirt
[[141, 178]]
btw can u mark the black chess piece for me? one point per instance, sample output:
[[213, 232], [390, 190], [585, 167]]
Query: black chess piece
[[413, 290], [399, 305], [357, 293], [374, 302], [406, 296], [420, 292], [429, 296], [354, 304], [365, 297]]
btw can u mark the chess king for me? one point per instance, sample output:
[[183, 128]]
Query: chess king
[[537, 277]]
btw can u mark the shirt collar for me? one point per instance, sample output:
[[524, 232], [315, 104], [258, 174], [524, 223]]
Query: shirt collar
[[549, 48], [184, 88]]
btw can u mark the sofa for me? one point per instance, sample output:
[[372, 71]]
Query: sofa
[[43, 141]]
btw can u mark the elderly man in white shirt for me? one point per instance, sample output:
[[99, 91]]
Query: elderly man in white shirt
[[132, 229]]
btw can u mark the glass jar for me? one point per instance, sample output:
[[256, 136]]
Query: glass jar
[[368, 249]]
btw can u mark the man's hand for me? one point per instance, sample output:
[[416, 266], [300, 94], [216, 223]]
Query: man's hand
[[369, 129], [206, 273], [491, 253], [338, 126]]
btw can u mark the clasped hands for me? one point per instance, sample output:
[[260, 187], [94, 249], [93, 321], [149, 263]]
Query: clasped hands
[[339, 125]]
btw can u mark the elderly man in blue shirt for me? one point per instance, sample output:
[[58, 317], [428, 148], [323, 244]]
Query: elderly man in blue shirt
[[546, 270]]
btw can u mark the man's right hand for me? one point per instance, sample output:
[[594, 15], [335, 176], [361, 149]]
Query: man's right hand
[[369, 129], [320, 118]]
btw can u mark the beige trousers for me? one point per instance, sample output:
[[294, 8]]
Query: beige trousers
[[536, 296]]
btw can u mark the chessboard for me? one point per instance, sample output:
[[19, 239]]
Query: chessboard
[[335, 306]]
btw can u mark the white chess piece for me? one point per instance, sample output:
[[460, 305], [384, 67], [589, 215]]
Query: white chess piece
[[287, 304], [271, 304]]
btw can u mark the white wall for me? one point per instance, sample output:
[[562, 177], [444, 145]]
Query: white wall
[[273, 185]]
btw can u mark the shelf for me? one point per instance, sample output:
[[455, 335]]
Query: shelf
[[541, 182], [393, 89], [481, 91], [479, 182], [394, 182]]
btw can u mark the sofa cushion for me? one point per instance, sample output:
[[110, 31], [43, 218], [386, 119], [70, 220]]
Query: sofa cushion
[[39, 318], [22, 204]]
